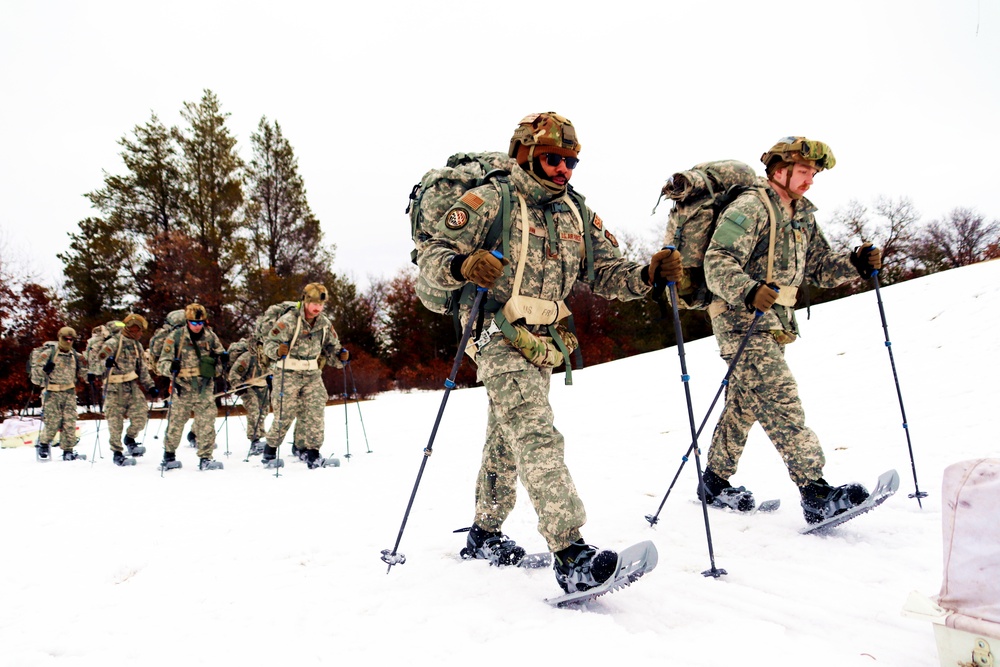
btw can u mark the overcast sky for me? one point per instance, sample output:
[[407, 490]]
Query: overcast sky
[[372, 94]]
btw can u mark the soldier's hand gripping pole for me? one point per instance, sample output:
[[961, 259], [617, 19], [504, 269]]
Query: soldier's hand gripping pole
[[392, 557], [917, 493]]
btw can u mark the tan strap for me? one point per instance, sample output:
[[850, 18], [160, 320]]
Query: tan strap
[[60, 387], [787, 295], [127, 377], [716, 308], [534, 310], [189, 372], [299, 364], [773, 219]]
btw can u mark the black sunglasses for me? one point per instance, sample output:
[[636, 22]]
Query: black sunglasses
[[553, 160], [69, 338]]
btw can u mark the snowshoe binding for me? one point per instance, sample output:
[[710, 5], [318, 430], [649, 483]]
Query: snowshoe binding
[[43, 452], [269, 457], [257, 447], [119, 459], [314, 460], [70, 455], [169, 461], [209, 464], [134, 448], [718, 493], [820, 501], [581, 566], [496, 548]]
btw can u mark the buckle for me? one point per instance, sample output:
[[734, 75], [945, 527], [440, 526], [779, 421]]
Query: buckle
[[487, 335]]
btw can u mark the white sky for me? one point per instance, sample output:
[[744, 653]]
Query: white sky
[[373, 94]]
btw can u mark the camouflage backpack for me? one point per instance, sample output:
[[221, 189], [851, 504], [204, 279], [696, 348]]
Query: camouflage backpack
[[98, 335], [436, 193], [175, 320], [37, 359], [699, 195], [262, 327]]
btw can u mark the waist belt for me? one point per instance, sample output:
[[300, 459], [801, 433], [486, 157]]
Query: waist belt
[[127, 377], [60, 387], [189, 372], [786, 297], [299, 364]]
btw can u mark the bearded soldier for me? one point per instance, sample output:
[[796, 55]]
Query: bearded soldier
[[192, 356], [555, 240], [58, 367], [300, 344], [745, 281], [123, 356]]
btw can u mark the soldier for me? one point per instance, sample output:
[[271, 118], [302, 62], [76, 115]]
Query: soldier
[[123, 356], [57, 368], [555, 241], [761, 388], [300, 344], [255, 396], [192, 356]]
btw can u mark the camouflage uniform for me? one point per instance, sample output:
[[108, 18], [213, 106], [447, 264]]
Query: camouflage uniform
[[192, 392], [59, 407], [123, 399], [300, 394], [761, 388], [521, 439], [245, 370]]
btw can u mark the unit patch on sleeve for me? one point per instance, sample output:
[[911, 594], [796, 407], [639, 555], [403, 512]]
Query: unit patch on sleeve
[[457, 218], [597, 222], [611, 237]]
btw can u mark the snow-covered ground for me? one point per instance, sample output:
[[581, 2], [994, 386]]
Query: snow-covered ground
[[108, 566]]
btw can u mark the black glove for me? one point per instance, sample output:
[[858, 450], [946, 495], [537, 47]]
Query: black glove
[[224, 358], [762, 297], [268, 380], [48, 367], [110, 362], [90, 378], [867, 259], [153, 391], [175, 366]]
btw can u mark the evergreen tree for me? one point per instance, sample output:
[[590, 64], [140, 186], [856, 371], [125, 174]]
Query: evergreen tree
[[97, 267]]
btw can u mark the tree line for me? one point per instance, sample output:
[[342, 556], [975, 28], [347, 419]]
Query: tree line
[[190, 220]]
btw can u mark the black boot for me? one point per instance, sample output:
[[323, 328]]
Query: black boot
[[119, 459], [134, 448], [721, 494], [42, 451], [820, 501], [270, 457], [209, 464], [257, 447], [169, 461], [580, 566], [192, 441], [70, 455], [497, 548]]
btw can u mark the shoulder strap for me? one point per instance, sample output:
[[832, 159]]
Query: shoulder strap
[[773, 219]]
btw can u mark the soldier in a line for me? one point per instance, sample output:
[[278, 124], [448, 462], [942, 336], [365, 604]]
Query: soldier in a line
[[192, 357], [299, 345], [57, 367], [761, 388], [555, 241], [123, 356], [254, 395]]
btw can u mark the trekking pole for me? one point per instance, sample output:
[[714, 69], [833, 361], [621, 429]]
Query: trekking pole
[[354, 389], [97, 435], [713, 571], [347, 434], [225, 385], [653, 519], [393, 557], [281, 403], [917, 493]]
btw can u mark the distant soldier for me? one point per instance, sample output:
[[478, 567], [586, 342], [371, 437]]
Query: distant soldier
[[123, 356], [254, 395], [301, 342], [192, 356], [57, 367]]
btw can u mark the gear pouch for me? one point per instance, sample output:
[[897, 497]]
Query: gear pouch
[[206, 367]]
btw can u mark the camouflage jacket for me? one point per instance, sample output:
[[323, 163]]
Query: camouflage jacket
[[246, 368], [556, 257], [315, 341], [69, 366], [736, 259], [208, 345], [130, 359]]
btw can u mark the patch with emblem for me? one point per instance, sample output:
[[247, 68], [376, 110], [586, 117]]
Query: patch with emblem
[[611, 237], [456, 219], [597, 222], [472, 200]]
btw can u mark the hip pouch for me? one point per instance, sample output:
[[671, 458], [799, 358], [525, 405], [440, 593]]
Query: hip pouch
[[206, 366]]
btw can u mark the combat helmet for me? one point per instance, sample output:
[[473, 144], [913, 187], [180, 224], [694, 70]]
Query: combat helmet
[[315, 293], [195, 312], [801, 150], [134, 325], [549, 130]]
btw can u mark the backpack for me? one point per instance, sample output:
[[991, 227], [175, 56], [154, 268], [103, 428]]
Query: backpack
[[175, 320], [436, 193], [262, 327], [100, 334], [700, 194], [39, 356]]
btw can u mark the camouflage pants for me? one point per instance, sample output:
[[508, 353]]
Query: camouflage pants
[[195, 397], [125, 400], [255, 402], [523, 438], [298, 395], [60, 415], [762, 389]]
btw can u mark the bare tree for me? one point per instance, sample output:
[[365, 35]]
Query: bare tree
[[963, 238]]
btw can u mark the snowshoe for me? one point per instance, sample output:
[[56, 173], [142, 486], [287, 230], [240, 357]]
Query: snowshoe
[[581, 566], [257, 447], [719, 493], [169, 461], [70, 455], [42, 452], [120, 459], [209, 464], [270, 457], [192, 441], [300, 454], [314, 460], [497, 548], [820, 501], [134, 448]]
